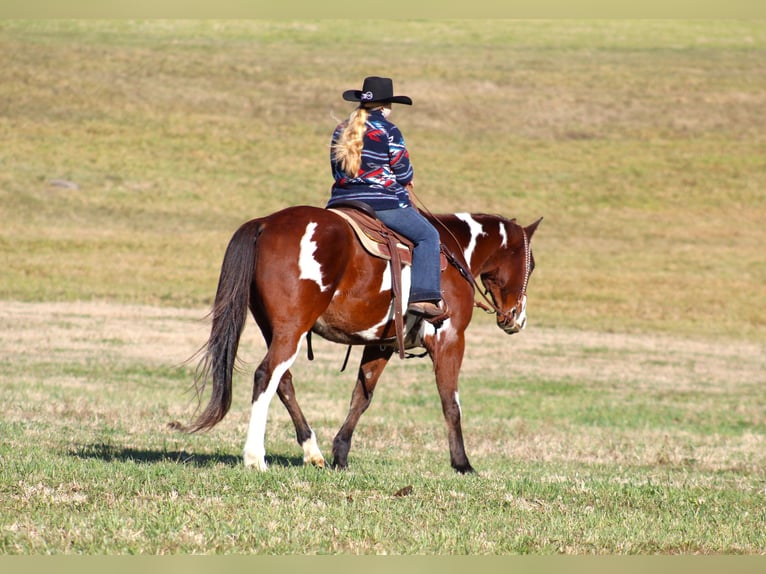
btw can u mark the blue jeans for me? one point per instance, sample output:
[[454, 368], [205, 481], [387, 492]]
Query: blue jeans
[[426, 264]]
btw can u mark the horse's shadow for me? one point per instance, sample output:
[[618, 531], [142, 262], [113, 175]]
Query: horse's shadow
[[110, 453]]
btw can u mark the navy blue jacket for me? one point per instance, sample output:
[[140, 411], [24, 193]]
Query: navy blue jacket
[[385, 169]]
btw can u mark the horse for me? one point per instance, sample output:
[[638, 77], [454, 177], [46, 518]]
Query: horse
[[302, 270]]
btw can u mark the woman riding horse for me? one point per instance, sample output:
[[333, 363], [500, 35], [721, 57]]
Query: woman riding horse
[[302, 270], [371, 164]]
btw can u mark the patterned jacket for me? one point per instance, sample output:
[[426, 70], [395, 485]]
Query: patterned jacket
[[384, 171]]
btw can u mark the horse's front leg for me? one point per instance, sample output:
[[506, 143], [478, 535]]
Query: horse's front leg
[[303, 432], [374, 360], [266, 382], [447, 354]]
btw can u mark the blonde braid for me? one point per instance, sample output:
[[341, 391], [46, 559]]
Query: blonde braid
[[347, 151]]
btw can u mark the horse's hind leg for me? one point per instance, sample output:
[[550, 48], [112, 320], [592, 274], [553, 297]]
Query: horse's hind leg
[[303, 432], [374, 360], [266, 382]]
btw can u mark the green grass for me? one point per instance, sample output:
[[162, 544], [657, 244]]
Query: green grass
[[578, 450], [155, 507], [627, 419], [128, 492]]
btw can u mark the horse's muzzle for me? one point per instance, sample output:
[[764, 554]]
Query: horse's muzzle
[[515, 320], [510, 327]]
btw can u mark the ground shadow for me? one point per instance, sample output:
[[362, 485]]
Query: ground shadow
[[110, 453]]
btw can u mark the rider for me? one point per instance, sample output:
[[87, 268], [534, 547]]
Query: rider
[[371, 164]]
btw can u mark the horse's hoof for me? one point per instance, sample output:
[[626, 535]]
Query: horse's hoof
[[311, 452], [339, 466], [255, 462], [464, 469], [317, 462]]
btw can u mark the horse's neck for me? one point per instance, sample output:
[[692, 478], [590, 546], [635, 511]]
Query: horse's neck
[[486, 233]]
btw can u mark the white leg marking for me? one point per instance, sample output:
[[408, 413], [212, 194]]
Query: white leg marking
[[255, 450], [457, 402], [311, 452], [476, 230], [310, 268]]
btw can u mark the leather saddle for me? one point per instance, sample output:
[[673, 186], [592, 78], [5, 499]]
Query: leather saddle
[[375, 237]]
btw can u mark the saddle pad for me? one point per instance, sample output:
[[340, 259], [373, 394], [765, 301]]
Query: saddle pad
[[371, 245]]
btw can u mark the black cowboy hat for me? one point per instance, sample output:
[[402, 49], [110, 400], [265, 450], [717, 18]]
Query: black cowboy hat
[[376, 89]]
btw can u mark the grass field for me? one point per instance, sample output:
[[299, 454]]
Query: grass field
[[630, 416], [585, 443]]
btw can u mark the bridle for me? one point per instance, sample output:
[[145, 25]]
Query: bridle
[[489, 305]]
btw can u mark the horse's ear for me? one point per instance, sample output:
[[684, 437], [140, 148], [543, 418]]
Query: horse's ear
[[530, 229]]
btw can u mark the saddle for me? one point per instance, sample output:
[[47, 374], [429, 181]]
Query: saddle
[[380, 241], [375, 237]]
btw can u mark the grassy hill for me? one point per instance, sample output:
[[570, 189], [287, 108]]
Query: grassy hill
[[132, 150]]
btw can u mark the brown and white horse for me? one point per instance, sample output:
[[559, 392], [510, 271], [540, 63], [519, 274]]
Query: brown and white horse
[[303, 270]]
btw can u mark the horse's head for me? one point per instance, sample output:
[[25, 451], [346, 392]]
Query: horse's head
[[507, 275]]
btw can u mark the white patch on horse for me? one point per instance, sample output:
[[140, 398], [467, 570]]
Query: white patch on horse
[[445, 331], [504, 235], [476, 229], [372, 333], [448, 331], [255, 450], [309, 266], [385, 282], [406, 282], [521, 320]]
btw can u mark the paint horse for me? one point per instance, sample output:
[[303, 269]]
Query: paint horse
[[302, 270]]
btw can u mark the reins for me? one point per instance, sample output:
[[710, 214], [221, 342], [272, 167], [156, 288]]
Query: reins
[[489, 306]]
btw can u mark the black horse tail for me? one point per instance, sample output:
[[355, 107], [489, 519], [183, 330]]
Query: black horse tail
[[232, 300]]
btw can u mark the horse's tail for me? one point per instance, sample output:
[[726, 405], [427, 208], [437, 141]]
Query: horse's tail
[[232, 300]]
